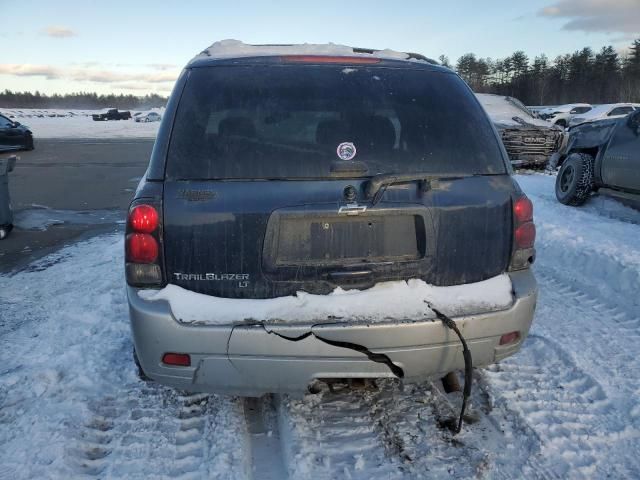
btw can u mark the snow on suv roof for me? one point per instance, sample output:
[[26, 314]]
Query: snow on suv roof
[[226, 49]]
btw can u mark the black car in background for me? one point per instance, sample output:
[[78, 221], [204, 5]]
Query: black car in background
[[14, 135], [112, 114], [603, 157]]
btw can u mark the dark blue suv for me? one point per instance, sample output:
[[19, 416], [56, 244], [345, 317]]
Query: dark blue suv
[[306, 206]]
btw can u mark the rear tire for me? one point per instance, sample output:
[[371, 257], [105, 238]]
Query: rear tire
[[29, 144], [574, 182], [141, 375]]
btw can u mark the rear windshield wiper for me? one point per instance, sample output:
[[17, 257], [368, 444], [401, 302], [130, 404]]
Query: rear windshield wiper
[[378, 183]]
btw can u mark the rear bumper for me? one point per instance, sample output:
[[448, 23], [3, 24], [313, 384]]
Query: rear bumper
[[253, 359]]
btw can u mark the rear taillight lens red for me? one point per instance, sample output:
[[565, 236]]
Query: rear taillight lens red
[[523, 210], [141, 248], [525, 235], [144, 219]]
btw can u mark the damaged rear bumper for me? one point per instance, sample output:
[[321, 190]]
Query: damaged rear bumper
[[256, 359]]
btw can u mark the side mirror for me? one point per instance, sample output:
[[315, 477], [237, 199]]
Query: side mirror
[[16, 124]]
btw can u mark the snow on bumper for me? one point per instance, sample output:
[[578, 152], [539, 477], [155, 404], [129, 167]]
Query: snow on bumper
[[406, 300], [261, 357]]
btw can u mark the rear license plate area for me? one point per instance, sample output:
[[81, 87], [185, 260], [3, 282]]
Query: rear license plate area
[[342, 240]]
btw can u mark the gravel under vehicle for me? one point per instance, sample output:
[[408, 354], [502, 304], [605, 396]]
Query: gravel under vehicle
[[307, 212], [603, 157]]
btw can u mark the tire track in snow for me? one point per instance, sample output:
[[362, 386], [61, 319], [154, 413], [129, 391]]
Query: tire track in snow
[[333, 435], [153, 431], [493, 442], [395, 431], [588, 325], [578, 426], [267, 462], [410, 419], [71, 404], [609, 331]]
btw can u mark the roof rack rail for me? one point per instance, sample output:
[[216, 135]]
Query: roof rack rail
[[370, 51], [231, 48]]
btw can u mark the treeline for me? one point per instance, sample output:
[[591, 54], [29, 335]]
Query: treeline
[[81, 100], [583, 76]]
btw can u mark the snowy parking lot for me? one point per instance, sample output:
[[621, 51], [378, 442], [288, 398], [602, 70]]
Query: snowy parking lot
[[566, 406], [67, 124]]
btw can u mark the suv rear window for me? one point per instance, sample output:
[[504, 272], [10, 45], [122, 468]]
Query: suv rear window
[[286, 121]]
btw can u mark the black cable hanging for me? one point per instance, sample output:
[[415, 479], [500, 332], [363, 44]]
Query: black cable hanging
[[468, 364]]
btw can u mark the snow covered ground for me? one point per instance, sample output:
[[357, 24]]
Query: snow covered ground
[[56, 123], [566, 406]]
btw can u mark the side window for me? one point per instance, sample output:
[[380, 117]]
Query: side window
[[579, 110], [620, 111], [5, 122]]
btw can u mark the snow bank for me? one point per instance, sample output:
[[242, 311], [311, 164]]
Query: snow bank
[[595, 246], [388, 300], [71, 404]]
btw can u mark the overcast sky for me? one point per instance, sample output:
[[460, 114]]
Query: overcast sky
[[139, 46]]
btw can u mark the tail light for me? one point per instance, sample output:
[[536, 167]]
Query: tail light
[[524, 234], [142, 248], [142, 245], [144, 218]]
